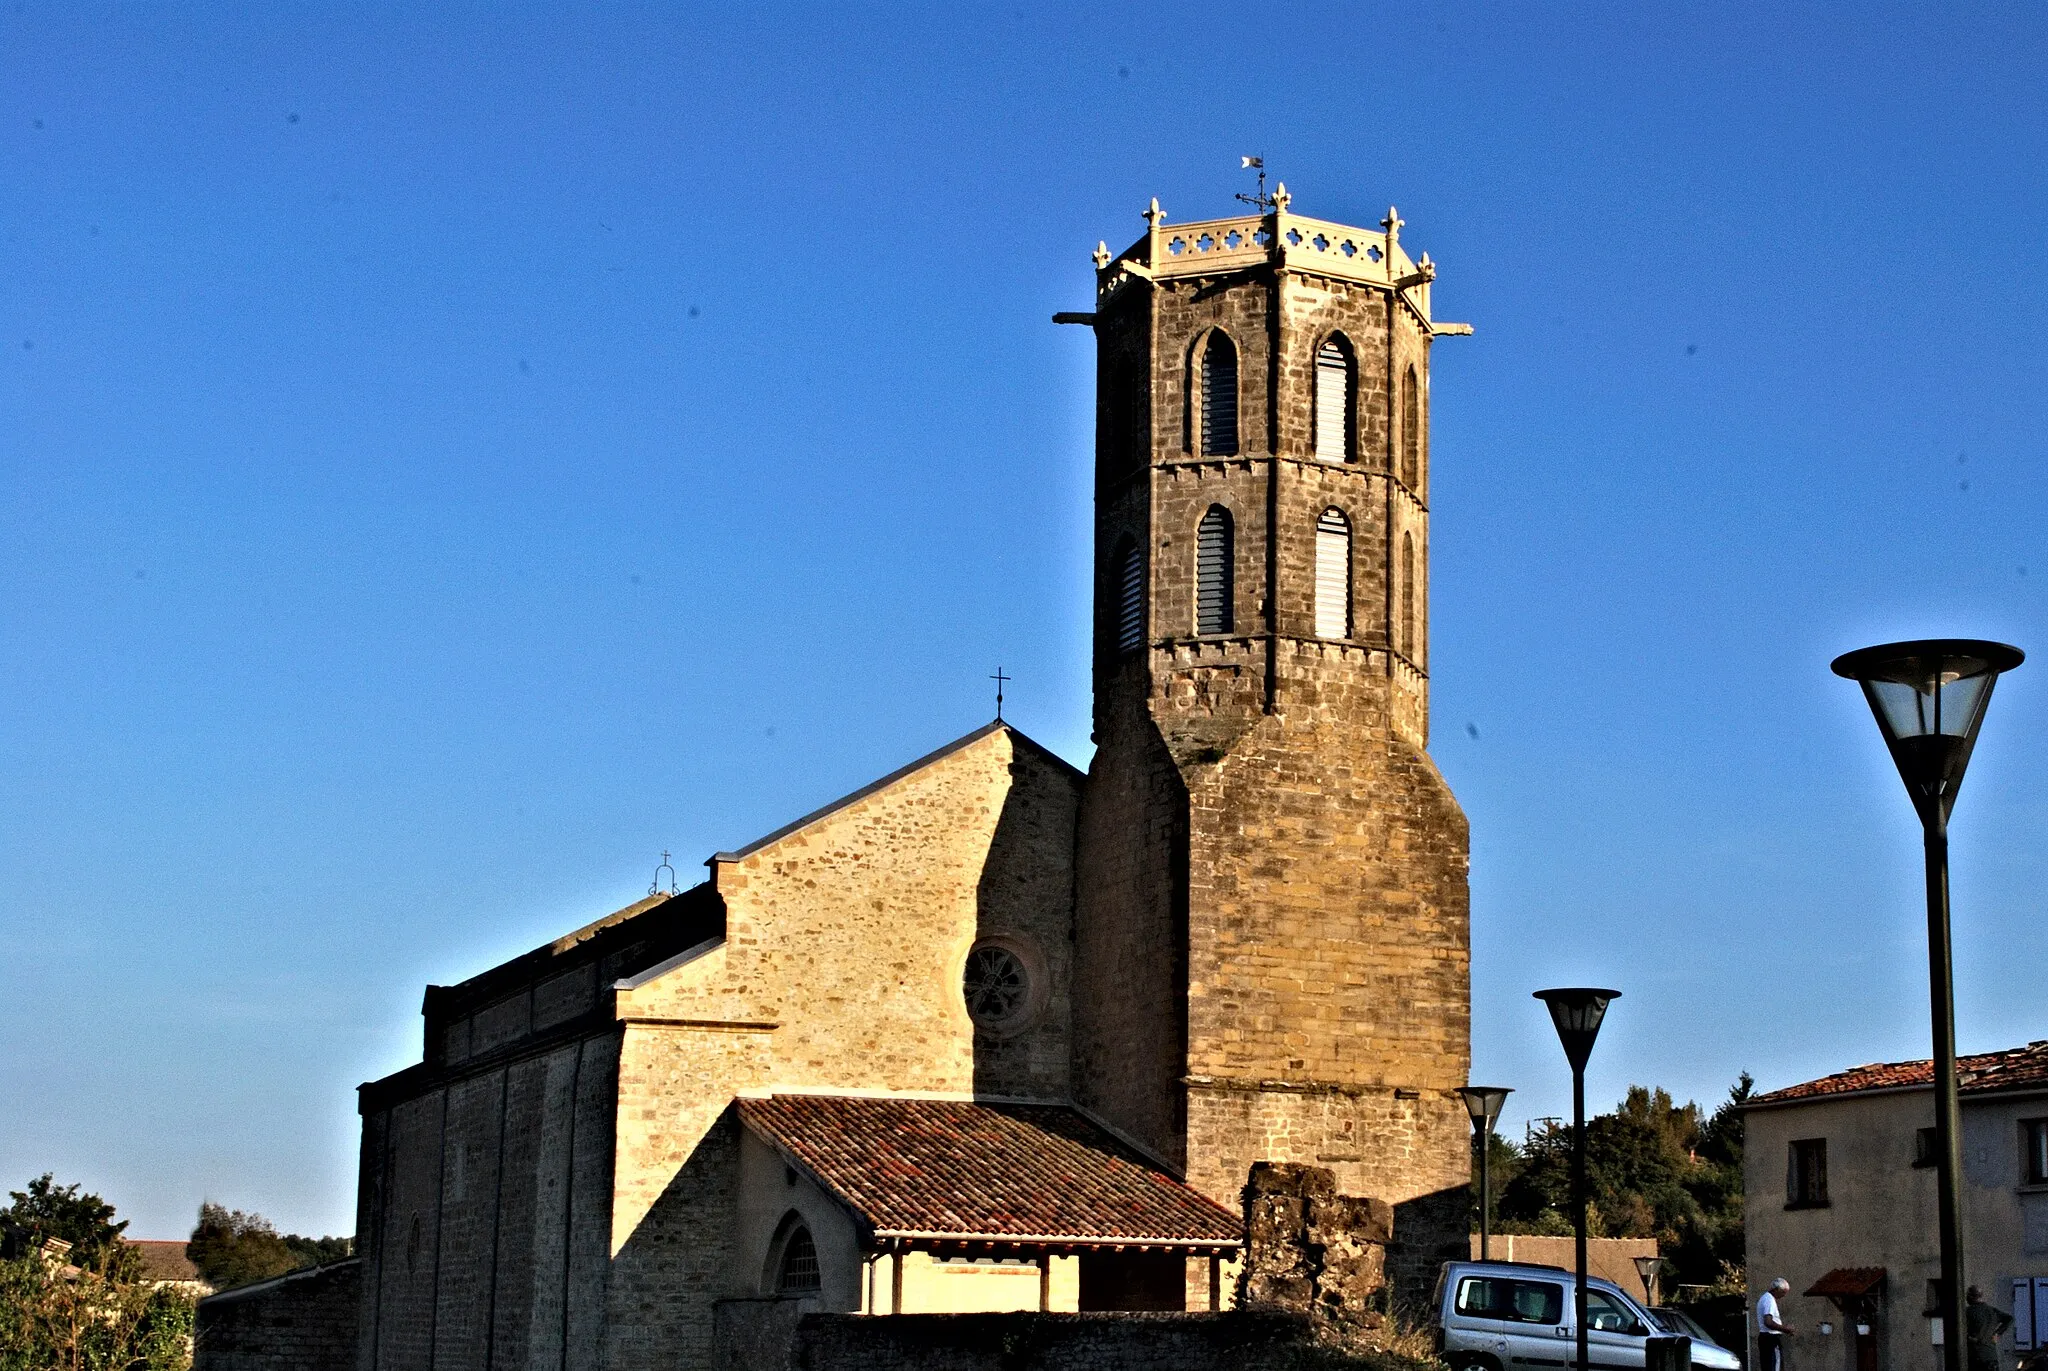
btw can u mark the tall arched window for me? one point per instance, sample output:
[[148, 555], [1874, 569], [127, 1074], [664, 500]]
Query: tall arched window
[[1335, 432], [1213, 572], [1129, 590], [1219, 396], [799, 1274], [1333, 575], [1411, 430], [1410, 633]]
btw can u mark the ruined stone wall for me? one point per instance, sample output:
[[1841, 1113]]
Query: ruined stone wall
[[305, 1321], [482, 1215], [1060, 1342]]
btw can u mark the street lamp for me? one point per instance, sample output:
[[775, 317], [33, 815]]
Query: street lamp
[[1929, 699], [1577, 1012], [1483, 1103], [1647, 1268]]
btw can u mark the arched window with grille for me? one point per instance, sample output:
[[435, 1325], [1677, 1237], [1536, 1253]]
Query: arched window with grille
[[1410, 630], [799, 1273], [1333, 575], [1128, 590], [1411, 430], [1213, 572], [1219, 395], [1336, 376]]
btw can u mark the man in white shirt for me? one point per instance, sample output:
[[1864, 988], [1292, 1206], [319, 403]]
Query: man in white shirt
[[1770, 1328]]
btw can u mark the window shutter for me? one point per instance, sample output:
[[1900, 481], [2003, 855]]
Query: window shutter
[[1219, 397], [1130, 621], [1333, 403], [1213, 572], [1333, 575], [2023, 1313]]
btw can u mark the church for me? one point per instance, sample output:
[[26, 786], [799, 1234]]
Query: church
[[992, 1033]]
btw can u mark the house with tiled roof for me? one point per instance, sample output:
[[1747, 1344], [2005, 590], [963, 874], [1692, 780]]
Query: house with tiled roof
[[1840, 1180], [992, 1032]]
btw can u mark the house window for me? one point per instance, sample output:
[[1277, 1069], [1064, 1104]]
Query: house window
[[996, 986], [1335, 432], [1806, 1174], [1219, 396], [1926, 1147], [2034, 1151], [1213, 572], [1130, 597], [800, 1274], [1411, 430], [1333, 575]]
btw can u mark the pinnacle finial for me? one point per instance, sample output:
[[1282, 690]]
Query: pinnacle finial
[[1392, 224], [1281, 199], [1155, 216], [1101, 255]]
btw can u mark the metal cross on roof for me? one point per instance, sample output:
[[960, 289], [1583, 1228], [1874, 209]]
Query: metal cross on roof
[[999, 678]]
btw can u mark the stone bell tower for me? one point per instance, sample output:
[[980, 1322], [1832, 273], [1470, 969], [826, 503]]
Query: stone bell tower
[[1273, 955]]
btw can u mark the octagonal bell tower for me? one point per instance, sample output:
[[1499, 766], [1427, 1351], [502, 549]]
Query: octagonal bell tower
[[1273, 953]]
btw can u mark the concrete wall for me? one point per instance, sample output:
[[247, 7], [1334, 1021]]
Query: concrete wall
[[1881, 1212], [302, 1322], [1273, 916]]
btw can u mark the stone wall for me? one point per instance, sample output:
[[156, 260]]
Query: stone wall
[[1273, 911], [305, 1321], [1311, 1249], [1235, 1341]]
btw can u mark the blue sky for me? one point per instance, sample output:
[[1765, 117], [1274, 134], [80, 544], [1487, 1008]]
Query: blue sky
[[452, 454]]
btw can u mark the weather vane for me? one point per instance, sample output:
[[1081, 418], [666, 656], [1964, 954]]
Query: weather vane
[[999, 678], [655, 889], [1259, 198]]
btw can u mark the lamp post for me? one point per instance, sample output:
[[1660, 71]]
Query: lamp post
[[1483, 1103], [1647, 1268], [1929, 699], [1577, 1012]]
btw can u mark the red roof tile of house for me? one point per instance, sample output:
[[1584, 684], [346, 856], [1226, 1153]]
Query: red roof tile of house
[[1848, 1280], [164, 1260], [2017, 1068], [954, 1169]]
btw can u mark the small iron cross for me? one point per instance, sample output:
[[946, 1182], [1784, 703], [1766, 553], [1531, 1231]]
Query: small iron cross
[[999, 678]]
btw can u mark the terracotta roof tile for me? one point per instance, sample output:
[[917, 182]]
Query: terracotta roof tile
[[2016, 1068], [164, 1260], [959, 1169], [1848, 1280]]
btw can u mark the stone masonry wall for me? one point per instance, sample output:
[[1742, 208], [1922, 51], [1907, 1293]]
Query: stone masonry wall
[[1324, 929], [305, 1321], [1232, 1341], [841, 970]]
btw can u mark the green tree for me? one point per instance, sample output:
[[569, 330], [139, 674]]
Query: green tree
[[48, 1210], [233, 1248], [1654, 1168]]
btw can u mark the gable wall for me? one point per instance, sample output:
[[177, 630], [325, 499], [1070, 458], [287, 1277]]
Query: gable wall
[[840, 970]]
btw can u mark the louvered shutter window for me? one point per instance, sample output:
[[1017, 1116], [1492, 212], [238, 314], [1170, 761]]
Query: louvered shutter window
[[1333, 403], [1333, 575], [1213, 572], [1130, 615], [1409, 635], [1411, 430], [1219, 397]]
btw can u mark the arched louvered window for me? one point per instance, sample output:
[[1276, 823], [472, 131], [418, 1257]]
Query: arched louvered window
[[1333, 575], [1130, 597], [1335, 433], [1410, 633], [1219, 396], [1213, 572], [800, 1274], [1411, 430]]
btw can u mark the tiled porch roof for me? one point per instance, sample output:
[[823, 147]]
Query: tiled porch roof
[[956, 1170]]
